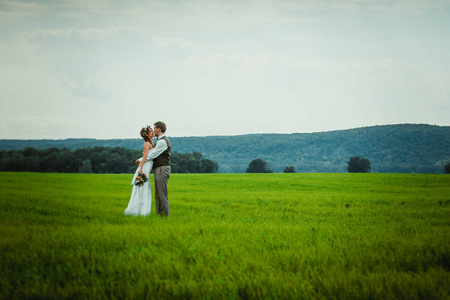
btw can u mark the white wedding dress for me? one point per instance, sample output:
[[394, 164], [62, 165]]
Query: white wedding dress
[[141, 196]]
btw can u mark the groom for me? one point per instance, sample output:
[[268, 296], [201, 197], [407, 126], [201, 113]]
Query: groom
[[161, 168]]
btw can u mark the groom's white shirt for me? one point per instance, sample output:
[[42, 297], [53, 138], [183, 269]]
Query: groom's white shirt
[[161, 146]]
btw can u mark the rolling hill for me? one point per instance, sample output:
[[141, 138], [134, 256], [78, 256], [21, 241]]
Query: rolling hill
[[402, 148]]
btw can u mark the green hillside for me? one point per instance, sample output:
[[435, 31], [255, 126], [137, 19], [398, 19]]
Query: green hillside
[[403, 148]]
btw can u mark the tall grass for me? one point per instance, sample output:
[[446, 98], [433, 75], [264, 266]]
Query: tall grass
[[232, 236]]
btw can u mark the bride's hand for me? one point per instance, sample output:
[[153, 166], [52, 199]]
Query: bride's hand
[[137, 162]]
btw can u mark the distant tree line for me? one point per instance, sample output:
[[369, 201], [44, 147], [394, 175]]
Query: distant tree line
[[192, 163], [402, 148], [95, 160], [356, 164]]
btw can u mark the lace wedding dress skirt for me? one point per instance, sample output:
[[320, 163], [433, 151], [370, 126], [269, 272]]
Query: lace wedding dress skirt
[[141, 196]]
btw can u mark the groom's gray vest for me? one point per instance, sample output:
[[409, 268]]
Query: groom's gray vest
[[164, 158]]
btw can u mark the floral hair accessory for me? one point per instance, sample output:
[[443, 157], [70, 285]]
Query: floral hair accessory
[[146, 130]]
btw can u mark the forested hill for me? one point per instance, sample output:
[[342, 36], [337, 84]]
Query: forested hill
[[404, 148]]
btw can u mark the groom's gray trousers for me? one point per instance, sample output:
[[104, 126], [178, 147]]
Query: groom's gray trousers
[[162, 175]]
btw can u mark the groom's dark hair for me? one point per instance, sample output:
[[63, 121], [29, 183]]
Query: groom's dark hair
[[161, 126]]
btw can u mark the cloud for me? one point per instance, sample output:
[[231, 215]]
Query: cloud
[[14, 10], [318, 64], [37, 126], [13, 6], [359, 7], [89, 61], [88, 90], [168, 42], [81, 33], [103, 35]]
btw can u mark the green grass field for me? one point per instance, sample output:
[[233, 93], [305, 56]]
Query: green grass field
[[232, 236]]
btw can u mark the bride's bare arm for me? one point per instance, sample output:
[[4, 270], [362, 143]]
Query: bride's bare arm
[[138, 161], [146, 148]]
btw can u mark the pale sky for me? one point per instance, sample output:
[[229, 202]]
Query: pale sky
[[104, 69]]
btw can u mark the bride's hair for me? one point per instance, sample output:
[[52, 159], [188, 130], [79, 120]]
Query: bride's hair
[[144, 131]]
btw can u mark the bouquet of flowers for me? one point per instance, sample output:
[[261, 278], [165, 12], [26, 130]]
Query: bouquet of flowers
[[140, 179]]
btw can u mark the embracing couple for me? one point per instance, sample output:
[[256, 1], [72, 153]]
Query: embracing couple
[[156, 157]]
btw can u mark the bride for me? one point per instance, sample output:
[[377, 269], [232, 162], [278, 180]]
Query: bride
[[141, 195]]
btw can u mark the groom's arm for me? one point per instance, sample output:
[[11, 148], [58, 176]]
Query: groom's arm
[[160, 147]]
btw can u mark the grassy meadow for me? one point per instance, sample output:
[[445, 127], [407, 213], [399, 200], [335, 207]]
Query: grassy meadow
[[229, 236]]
